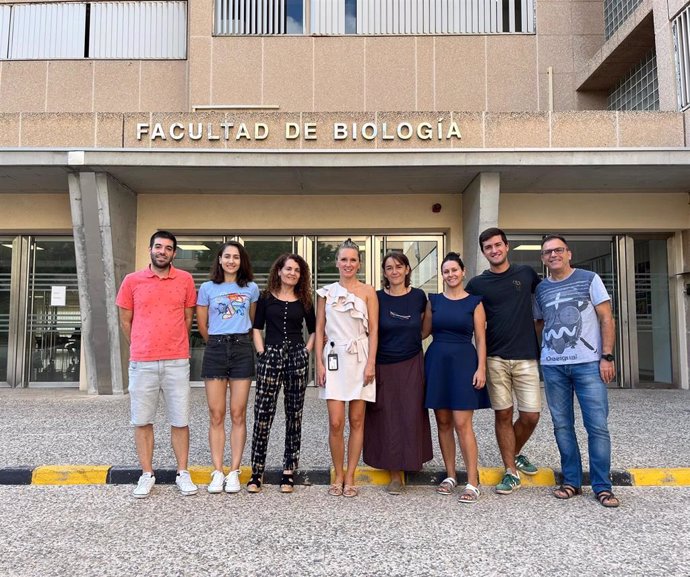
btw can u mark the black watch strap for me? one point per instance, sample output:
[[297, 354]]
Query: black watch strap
[[608, 357]]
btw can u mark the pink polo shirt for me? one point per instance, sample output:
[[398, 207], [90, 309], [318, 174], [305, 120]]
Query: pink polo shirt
[[158, 329]]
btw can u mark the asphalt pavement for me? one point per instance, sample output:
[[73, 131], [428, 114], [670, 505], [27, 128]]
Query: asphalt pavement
[[100, 530], [649, 428]]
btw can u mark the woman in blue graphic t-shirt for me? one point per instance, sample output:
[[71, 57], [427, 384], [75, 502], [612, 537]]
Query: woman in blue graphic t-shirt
[[225, 314]]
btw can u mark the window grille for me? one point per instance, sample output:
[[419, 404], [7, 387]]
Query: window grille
[[251, 17], [77, 30], [390, 17], [639, 89], [138, 30], [4, 30], [681, 40], [40, 31], [616, 12]]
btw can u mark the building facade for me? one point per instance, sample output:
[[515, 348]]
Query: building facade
[[293, 124]]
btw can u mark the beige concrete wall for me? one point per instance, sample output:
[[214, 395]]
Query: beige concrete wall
[[497, 73], [257, 214], [594, 212], [585, 129], [35, 213], [93, 86]]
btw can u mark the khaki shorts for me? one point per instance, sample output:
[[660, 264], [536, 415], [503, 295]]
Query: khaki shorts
[[513, 377]]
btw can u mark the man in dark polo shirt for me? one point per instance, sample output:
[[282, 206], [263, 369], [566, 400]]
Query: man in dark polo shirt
[[512, 352]]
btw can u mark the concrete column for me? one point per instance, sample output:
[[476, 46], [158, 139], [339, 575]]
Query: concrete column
[[479, 212], [104, 216]]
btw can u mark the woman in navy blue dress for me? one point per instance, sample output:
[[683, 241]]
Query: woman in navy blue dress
[[456, 372]]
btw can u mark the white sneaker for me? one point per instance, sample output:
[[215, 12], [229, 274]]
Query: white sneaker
[[217, 480], [144, 486], [232, 482], [184, 483]]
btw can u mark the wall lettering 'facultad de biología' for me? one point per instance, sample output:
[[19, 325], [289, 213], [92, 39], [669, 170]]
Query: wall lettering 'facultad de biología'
[[339, 131]]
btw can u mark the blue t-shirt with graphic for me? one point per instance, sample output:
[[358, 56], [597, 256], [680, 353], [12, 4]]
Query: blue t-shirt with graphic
[[228, 306], [572, 334]]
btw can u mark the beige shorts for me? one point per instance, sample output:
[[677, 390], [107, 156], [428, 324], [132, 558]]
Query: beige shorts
[[513, 377]]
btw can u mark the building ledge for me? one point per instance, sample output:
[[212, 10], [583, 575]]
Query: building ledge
[[621, 52]]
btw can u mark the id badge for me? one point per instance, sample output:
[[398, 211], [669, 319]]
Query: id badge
[[332, 361]]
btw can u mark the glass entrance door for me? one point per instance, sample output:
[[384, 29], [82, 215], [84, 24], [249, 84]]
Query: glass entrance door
[[5, 282], [652, 310], [194, 254], [54, 322]]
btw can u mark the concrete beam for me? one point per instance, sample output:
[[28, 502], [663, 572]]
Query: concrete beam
[[480, 202], [104, 221]]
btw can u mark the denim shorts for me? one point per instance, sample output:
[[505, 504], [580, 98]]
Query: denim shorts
[[228, 357], [148, 380]]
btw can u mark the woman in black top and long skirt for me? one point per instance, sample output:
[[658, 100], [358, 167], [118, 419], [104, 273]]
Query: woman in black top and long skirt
[[397, 435], [282, 360]]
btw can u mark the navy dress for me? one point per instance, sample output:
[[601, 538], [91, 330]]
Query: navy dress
[[451, 359]]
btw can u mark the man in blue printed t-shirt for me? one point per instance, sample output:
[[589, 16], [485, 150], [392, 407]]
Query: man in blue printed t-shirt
[[578, 337]]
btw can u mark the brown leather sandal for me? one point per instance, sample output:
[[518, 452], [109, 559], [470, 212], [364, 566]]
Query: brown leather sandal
[[566, 491], [608, 499]]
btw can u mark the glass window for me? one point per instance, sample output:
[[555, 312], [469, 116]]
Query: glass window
[[5, 277]]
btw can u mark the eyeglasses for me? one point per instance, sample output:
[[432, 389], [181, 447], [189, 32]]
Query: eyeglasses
[[557, 250]]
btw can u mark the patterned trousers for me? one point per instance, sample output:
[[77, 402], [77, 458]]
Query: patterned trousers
[[283, 365]]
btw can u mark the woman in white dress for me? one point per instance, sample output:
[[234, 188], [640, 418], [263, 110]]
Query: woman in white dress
[[346, 338]]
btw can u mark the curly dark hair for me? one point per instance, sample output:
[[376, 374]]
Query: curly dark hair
[[303, 289], [245, 274]]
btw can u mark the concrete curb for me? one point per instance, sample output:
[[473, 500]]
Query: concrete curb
[[125, 475]]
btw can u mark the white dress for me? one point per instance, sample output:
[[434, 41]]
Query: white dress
[[347, 323]]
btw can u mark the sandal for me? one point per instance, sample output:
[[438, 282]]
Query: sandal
[[335, 490], [447, 485], [254, 485], [566, 491], [350, 491], [287, 483], [469, 495], [608, 499]]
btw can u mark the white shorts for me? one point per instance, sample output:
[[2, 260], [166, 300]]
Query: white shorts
[[147, 379]]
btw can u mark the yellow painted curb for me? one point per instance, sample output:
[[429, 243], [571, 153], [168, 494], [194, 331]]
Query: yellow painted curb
[[493, 476], [202, 475], [70, 475], [679, 477]]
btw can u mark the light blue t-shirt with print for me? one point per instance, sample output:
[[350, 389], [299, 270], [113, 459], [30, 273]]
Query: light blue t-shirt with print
[[572, 333], [228, 306]]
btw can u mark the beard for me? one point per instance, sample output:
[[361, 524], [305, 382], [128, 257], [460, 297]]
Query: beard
[[161, 262]]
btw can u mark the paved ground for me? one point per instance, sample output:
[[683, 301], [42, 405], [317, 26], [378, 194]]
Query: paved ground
[[649, 428], [101, 530]]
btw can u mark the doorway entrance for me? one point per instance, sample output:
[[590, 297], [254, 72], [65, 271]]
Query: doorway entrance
[[195, 254], [40, 321], [635, 272]]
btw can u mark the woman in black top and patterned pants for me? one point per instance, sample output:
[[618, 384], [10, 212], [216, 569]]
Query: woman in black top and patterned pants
[[282, 360]]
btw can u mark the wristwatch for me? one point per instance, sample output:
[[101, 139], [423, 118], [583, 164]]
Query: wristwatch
[[608, 357]]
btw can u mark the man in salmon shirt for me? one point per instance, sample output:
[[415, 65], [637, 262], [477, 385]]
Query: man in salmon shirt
[[156, 310]]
